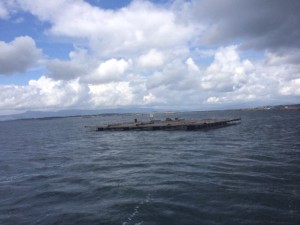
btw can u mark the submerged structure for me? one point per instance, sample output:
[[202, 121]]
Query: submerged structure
[[168, 124]]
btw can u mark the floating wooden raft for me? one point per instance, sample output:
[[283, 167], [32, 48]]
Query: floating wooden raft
[[168, 124]]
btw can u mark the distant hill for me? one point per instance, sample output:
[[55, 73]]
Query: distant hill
[[75, 112]]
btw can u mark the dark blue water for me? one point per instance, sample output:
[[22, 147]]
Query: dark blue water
[[58, 172]]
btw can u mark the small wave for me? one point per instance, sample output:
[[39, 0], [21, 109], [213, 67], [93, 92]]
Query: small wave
[[17, 178], [136, 211], [56, 195]]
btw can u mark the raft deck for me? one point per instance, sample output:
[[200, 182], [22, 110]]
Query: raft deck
[[168, 124]]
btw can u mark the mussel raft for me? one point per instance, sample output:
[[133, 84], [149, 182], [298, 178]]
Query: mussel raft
[[168, 124]]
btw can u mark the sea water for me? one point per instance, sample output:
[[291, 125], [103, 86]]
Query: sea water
[[55, 171]]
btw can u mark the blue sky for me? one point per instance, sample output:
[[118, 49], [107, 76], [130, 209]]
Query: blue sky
[[179, 54]]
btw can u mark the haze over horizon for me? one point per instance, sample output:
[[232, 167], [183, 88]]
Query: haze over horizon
[[96, 54]]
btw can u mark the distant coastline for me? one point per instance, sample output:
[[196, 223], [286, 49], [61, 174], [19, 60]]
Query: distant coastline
[[276, 107], [91, 113]]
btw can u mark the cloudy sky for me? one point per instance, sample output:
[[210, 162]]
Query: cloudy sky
[[173, 54]]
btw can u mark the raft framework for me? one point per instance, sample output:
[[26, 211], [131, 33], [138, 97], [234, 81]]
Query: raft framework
[[168, 124]]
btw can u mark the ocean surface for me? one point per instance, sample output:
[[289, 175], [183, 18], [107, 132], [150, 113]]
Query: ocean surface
[[55, 171]]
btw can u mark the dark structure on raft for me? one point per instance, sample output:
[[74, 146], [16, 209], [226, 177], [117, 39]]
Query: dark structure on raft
[[168, 124]]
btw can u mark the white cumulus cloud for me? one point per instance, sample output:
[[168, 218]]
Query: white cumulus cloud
[[109, 71], [137, 27], [227, 72], [112, 94], [151, 59], [43, 93]]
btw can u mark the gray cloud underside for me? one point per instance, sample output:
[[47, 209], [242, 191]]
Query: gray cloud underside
[[268, 24], [18, 55], [65, 70]]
